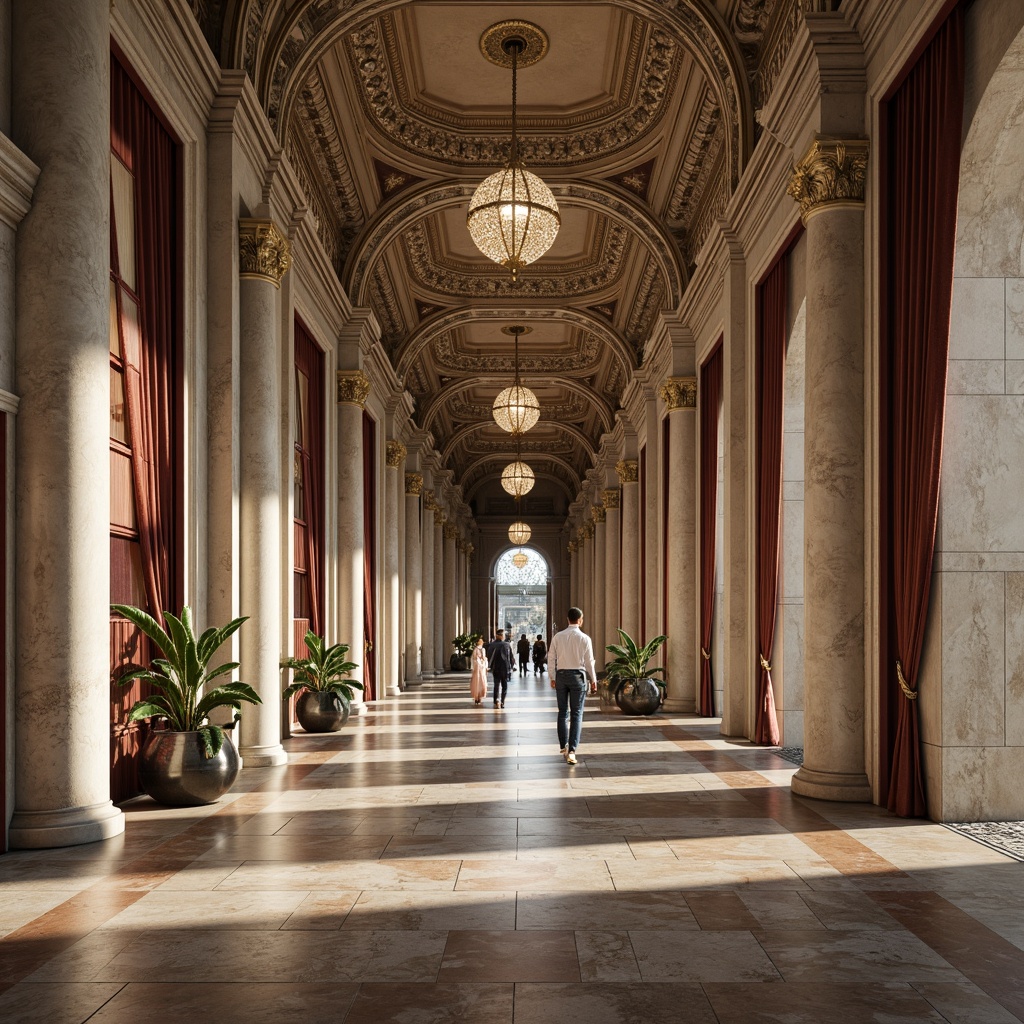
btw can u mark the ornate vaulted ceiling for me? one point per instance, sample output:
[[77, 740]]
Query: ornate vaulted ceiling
[[639, 118]]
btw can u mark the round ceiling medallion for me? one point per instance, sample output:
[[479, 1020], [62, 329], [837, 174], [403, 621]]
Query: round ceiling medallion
[[498, 41]]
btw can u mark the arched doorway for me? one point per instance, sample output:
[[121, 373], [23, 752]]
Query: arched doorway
[[522, 593]]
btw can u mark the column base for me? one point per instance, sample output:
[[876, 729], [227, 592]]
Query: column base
[[263, 757], [69, 826], [679, 706], [357, 710], [414, 681], [847, 787], [394, 690]]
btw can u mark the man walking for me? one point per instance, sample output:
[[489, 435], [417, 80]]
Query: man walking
[[571, 665], [523, 650], [502, 662]]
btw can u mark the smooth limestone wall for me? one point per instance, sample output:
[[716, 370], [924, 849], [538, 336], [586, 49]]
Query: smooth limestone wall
[[972, 690]]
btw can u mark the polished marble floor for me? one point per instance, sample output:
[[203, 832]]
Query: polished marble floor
[[438, 862]]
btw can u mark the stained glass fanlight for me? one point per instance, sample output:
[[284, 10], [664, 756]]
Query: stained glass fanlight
[[513, 217], [516, 409]]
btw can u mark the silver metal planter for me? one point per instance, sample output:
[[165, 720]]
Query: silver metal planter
[[174, 769], [639, 697], [321, 711]]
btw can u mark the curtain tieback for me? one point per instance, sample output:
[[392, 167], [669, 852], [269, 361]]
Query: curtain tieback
[[707, 657], [764, 663], [907, 691]]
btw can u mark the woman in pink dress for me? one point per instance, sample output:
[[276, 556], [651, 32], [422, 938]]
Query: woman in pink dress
[[478, 680]]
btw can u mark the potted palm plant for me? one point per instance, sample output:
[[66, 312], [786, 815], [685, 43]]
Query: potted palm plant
[[322, 681], [463, 644], [631, 682], [188, 762]]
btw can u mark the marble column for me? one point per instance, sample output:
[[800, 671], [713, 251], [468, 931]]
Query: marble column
[[353, 390], [682, 649], [654, 567], [427, 664], [586, 556], [602, 595], [628, 472], [574, 565], [610, 572], [264, 258], [829, 183], [442, 647], [413, 578], [470, 550], [451, 588], [61, 120], [394, 456]]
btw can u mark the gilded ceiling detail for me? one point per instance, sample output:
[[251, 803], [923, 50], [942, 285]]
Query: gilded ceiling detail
[[552, 446], [704, 144], [385, 306], [434, 271], [574, 409], [776, 46], [712, 208], [586, 354], [650, 296], [373, 53]]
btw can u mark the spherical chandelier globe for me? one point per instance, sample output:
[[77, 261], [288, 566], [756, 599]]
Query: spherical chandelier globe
[[519, 559], [513, 218], [519, 532], [517, 478], [516, 409]]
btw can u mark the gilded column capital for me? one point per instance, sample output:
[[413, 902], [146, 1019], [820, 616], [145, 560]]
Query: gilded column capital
[[597, 513], [413, 484], [264, 253], [469, 552], [831, 174], [429, 501], [353, 387], [628, 470], [439, 516], [611, 498], [679, 393], [450, 531], [394, 454], [571, 547], [587, 529]]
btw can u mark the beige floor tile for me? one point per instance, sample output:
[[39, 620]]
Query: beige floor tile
[[527, 875], [449, 911], [397, 874]]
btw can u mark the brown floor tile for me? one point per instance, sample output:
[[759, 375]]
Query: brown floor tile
[[432, 1004], [665, 955], [721, 911], [29, 1003], [510, 956], [613, 1003]]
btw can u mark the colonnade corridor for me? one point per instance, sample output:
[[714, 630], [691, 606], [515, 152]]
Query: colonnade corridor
[[439, 862]]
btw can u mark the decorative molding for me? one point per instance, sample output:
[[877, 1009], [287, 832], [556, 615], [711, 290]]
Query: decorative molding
[[526, 445], [450, 531], [392, 180], [714, 200], [386, 308], [585, 358], [353, 387], [394, 454], [679, 393], [628, 471], [637, 180], [703, 145], [264, 253], [439, 516], [832, 174], [373, 52], [597, 513], [647, 301], [776, 42], [610, 498], [413, 484], [429, 500], [574, 409], [587, 530]]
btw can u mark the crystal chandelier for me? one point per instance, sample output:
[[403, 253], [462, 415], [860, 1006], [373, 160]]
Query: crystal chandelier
[[519, 532], [517, 478], [513, 217], [516, 409], [519, 559]]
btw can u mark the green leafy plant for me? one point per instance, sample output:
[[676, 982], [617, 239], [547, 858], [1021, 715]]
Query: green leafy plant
[[183, 673], [631, 662], [465, 642], [325, 670]]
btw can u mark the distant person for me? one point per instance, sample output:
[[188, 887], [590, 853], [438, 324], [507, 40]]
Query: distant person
[[571, 664], [478, 678], [540, 654], [502, 662], [523, 650]]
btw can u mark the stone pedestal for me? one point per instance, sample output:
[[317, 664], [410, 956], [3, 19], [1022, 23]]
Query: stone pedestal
[[353, 389], [682, 649], [834, 597], [61, 120], [629, 477], [413, 578], [394, 457]]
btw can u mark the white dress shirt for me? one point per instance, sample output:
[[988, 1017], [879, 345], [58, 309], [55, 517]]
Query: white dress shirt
[[572, 649]]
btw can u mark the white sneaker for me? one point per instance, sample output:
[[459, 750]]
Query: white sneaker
[[570, 758], [562, 752]]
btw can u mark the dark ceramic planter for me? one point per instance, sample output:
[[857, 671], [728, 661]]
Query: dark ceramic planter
[[458, 663], [321, 711], [639, 697], [175, 770]]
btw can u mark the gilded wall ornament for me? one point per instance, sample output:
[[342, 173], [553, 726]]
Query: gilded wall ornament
[[264, 253], [679, 393], [353, 387], [597, 513], [831, 174], [429, 501], [450, 531], [413, 484], [611, 498], [394, 454], [439, 516], [628, 470]]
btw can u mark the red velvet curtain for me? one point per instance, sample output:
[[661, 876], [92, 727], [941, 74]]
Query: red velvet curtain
[[924, 123], [310, 361], [369, 553], [710, 402], [771, 363], [140, 140]]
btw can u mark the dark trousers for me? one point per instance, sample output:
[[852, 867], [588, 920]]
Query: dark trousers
[[571, 691], [500, 686], [524, 662]]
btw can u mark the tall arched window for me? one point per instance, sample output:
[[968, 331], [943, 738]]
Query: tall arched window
[[522, 593]]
